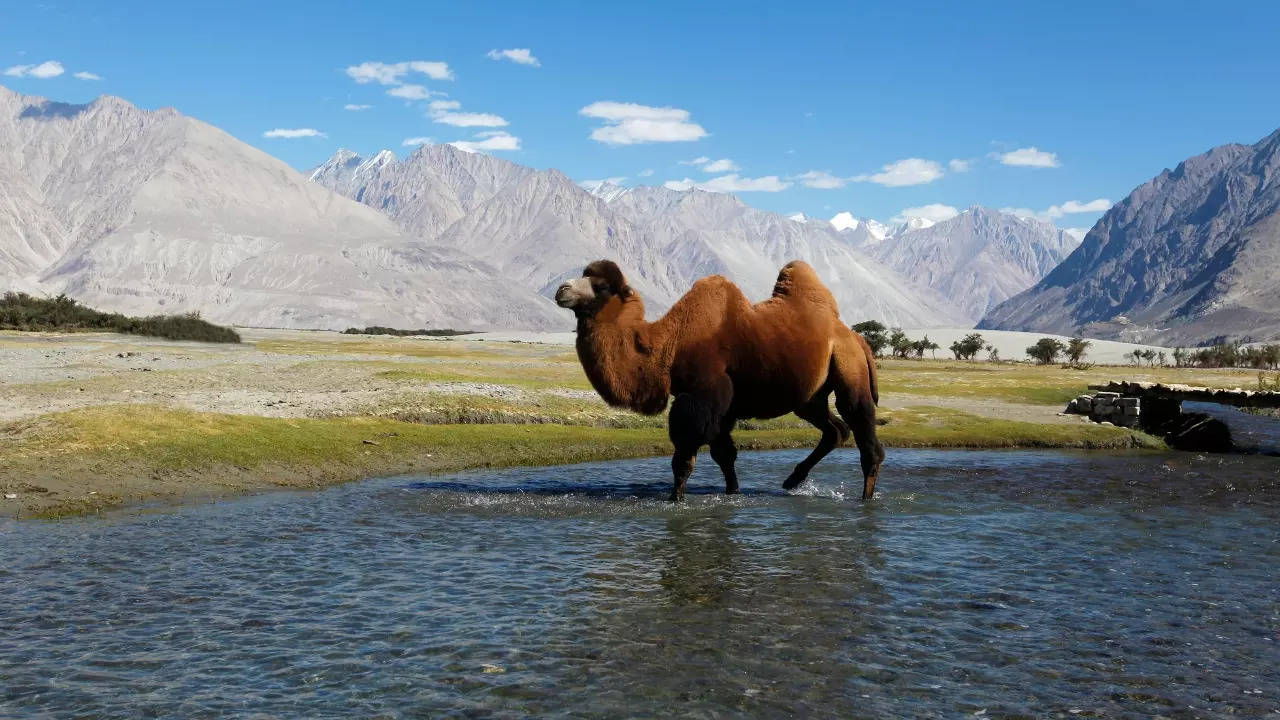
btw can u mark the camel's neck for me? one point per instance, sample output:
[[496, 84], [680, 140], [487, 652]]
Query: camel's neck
[[627, 359]]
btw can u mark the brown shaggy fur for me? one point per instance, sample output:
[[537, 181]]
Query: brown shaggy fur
[[725, 359]]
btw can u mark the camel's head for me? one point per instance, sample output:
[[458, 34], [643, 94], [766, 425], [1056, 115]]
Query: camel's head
[[601, 281]]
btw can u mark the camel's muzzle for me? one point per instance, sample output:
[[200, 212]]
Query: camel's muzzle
[[574, 293]]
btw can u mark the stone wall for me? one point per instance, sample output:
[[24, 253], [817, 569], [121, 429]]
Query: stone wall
[[1108, 408]]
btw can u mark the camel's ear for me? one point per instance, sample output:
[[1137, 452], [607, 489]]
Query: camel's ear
[[611, 274]]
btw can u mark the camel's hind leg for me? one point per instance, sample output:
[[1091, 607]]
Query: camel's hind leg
[[834, 432], [856, 402]]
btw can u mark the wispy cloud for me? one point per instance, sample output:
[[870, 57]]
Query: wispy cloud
[[647, 172], [414, 141], [492, 140], [45, 70], [1054, 212], [731, 183], [291, 133], [85, 75], [410, 92], [441, 105], [469, 119], [822, 180], [516, 55], [909, 171], [706, 164], [355, 108], [393, 73], [957, 165], [1029, 157], [630, 124], [933, 212]]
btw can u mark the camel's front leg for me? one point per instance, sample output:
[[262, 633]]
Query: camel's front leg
[[694, 421], [725, 453]]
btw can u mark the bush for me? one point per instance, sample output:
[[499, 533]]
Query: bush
[[380, 330], [1046, 351], [967, 348], [875, 333], [20, 311], [1076, 350]]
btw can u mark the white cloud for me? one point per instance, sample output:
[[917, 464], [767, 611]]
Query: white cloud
[[731, 183], [1054, 212], [85, 75], [392, 73], [646, 172], [822, 180], [703, 160], [410, 92], [1072, 207], [43, 71], [470, 119], [516, 55], [958, 166], [910, 171], [721, 165], [293, 133], [411, 142], [441, 105], [1029, 157], [934, 212], [355, 108], [1077, 233], [493, 140], [630, 124]]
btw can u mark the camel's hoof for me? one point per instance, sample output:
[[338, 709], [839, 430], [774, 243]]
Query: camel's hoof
[[731, 490], [675, 498], [794, 482]]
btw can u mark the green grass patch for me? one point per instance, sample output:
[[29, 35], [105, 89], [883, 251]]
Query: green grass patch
[[110, 455]]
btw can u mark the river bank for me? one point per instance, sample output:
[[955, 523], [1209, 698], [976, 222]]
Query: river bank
[[94, 421]]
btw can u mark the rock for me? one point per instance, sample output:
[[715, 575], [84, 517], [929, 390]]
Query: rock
[[1107, 396], [1131, 411], [11, 496], [1104, 422], [372, 442]]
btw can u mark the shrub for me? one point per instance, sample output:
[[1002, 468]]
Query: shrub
[[875, 333], [380, 330], [20, 311], [1046, 350], [1076, 350], [967, 348]]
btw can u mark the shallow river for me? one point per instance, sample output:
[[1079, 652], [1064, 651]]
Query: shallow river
[[996, 584]]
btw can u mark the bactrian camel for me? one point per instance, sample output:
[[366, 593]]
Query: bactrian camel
[[725, 359]]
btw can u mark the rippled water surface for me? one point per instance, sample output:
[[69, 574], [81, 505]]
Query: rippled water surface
[[1031, 584]]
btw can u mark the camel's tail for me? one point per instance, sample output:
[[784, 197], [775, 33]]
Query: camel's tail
[[871, 367]]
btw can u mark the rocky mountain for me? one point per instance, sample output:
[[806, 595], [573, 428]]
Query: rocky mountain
[[1188, 257], [538, 227], [978, 258], [151, 211]]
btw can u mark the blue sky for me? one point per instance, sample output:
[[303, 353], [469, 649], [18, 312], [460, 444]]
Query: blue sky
[[807, 107]]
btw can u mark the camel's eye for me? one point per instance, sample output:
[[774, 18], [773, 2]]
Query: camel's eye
[[599, 285]]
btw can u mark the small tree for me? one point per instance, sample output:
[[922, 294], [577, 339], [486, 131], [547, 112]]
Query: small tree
[[875, 333], [993, 353], [967, 347], [900, 343], [1046, 350], [1076, 349], [919, 346]]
